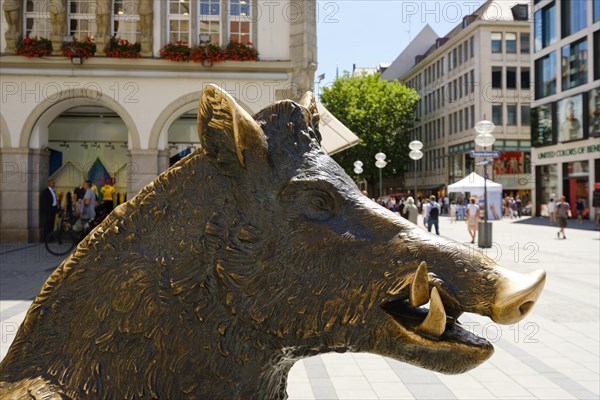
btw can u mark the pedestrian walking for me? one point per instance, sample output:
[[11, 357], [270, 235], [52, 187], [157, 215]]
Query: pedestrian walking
[[410, 210], [552, 210], [433, 213], [563, 212], [472, 218]]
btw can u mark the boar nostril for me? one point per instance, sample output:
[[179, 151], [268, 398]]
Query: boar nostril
[[516, 294], [525, 307]]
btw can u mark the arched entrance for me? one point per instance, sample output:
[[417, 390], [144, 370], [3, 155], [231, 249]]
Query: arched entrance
[[73, 136], [88, 142]]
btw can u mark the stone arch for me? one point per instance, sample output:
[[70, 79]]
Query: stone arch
[[49, 109], [4, 133], [175, 110]]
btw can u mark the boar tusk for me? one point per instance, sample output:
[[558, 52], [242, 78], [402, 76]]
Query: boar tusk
[[419, 289], [435, 322]]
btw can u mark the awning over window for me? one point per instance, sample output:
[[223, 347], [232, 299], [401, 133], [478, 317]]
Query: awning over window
[[336, 137]]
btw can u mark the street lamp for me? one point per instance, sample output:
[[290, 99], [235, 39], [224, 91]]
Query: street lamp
[[380, 163], [416, 154], [484, 139], [358, 170]]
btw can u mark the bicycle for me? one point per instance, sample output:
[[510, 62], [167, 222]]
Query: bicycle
[[64, 238], [71, 230]]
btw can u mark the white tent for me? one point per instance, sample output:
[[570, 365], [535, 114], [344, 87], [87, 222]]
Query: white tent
[[336, 137], [473, 184]]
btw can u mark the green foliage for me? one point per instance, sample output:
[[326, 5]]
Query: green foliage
[[380, 113]]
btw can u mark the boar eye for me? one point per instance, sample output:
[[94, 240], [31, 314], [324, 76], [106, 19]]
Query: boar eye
[[320, 205]]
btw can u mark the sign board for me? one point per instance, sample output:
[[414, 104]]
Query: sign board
[[484, 162], [492, 154]]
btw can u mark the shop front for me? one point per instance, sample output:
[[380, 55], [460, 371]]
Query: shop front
[[570, 171]]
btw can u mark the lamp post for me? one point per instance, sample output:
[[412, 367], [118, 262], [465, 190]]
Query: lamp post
[[380, 163], [358, 170], [416, 154], [484, 139]]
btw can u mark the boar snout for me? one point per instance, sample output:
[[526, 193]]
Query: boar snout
[[516, 294]]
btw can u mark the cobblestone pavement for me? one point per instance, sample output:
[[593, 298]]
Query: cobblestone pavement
[[553, 354]]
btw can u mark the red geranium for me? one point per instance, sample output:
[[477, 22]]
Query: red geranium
[[34, 47]]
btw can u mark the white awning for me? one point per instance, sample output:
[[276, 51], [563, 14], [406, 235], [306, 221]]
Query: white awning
[[335, 136]]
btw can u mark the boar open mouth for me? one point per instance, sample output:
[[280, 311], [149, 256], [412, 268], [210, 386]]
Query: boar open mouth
[[438, 322]]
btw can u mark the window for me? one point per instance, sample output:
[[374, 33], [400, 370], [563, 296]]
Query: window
[[450, 124], [573, 15], [472, 46], [179, 21], [511, 42], [455, 57], [466, 50], [455, 122], [126, 20], [596, 16], [37, 19], [542, 132], [496, 42], [525, 115], [511, 77], [472, 80], [574, 64], [460, 87], [545, 76], [525, 78], [524, 38], [597, 53], [497, 114], [467, 118], [570, 118], [209, 25], [450, 61], [460, 54], [460, 121], [544, 27], [511, 114], [497, 77], [82, 18], [239, 21], [472, 116]]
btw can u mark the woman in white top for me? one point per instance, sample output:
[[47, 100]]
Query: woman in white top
[[472, 218]]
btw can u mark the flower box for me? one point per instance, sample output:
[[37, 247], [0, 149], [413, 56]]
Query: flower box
[[34, 47], [178, 51], [83, 49], [240, 52], [121, 48]]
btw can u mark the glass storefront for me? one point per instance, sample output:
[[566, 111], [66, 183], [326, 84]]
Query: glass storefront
[[576, 183]]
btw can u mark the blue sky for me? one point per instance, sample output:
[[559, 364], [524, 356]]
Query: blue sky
[[369, 32]]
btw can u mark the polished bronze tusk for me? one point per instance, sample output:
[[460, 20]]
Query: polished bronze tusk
[[435, 322], [419, 288]]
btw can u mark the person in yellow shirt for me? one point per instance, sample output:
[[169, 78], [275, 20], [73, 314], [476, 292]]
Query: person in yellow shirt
[[108, 191]]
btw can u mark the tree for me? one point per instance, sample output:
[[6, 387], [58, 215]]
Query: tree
[[380, 113]]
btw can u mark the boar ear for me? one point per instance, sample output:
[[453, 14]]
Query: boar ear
[[308, 101], [226, 130]]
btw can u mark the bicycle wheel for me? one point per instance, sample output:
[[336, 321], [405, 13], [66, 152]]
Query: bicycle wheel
[[60, 243]]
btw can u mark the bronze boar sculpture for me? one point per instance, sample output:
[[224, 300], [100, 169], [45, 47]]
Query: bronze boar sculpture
[[248, 255]]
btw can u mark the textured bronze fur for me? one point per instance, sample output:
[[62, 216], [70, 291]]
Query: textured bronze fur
[[236, 262]]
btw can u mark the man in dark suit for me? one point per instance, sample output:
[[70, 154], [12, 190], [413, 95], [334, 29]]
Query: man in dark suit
[[48, 208]]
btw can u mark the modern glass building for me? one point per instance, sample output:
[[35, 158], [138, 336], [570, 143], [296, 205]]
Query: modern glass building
[[565, 121]]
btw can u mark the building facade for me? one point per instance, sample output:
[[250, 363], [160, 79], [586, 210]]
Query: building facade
[[103, 117], [566, 109], [480, 70]]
